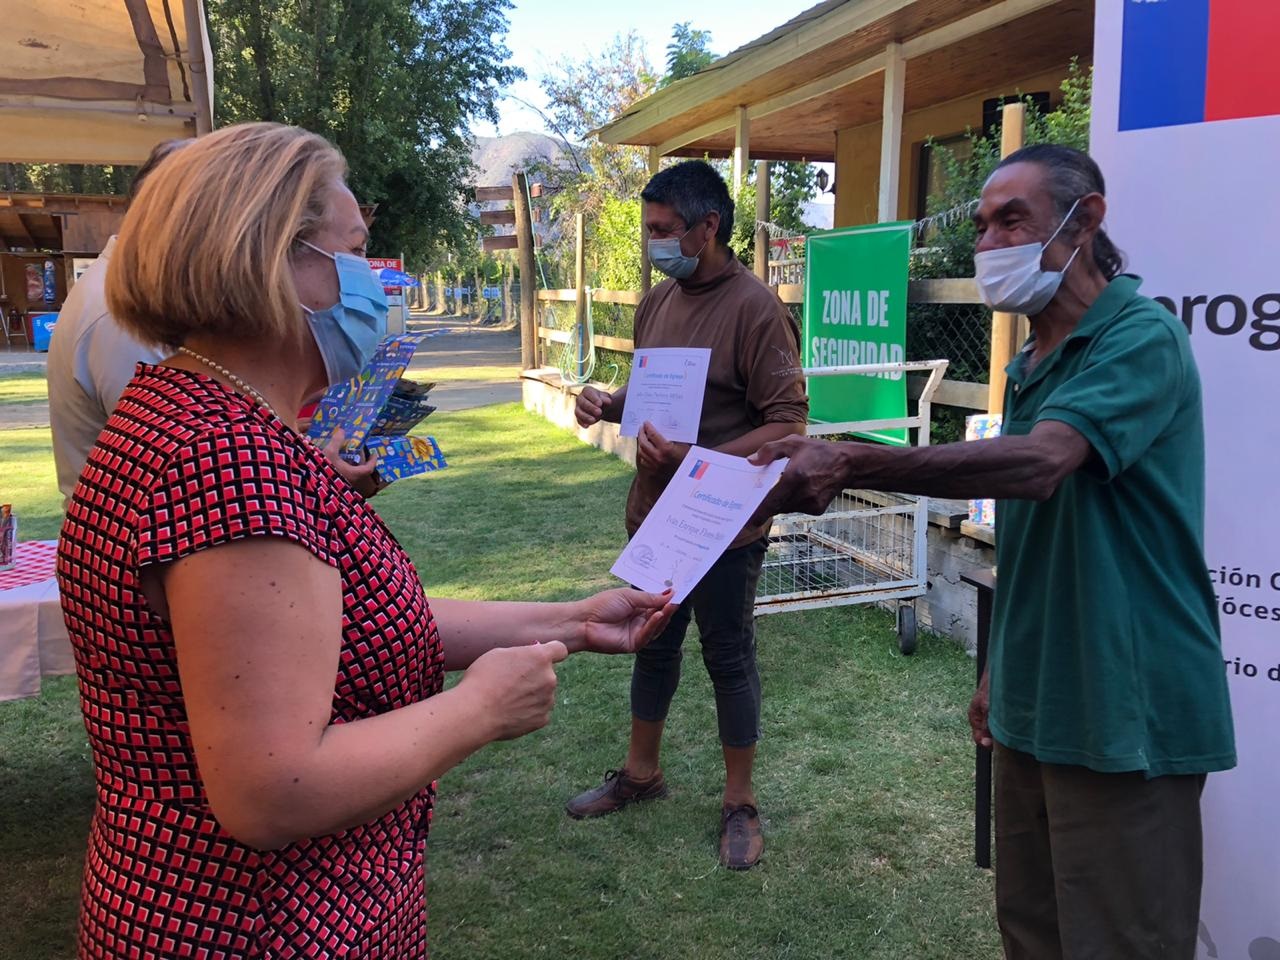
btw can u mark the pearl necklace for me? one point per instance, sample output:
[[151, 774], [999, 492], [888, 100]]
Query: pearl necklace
[[244, 387]]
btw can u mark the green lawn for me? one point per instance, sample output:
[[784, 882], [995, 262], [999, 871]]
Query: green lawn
[[865, 775], [26, 387], [29, 482], [426, 372]]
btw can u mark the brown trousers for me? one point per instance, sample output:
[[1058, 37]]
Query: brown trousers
[[1095, 866]]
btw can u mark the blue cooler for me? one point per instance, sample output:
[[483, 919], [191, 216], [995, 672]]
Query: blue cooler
[[42, 325]]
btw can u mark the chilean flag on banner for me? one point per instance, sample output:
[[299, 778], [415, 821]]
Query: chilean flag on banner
[[1171, 74]]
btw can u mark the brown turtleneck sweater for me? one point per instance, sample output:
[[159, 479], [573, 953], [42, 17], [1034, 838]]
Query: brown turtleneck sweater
[[754, 376]]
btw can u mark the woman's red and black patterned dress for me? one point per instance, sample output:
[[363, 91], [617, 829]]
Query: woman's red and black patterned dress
[[186, 464]]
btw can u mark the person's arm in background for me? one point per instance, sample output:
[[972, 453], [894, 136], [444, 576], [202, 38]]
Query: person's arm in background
[[1101, 419], [594, 405]]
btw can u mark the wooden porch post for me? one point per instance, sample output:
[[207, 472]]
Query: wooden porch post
[[1006, 328], [895, 78], [763, 203], [646, 268], [528, 271], [741, 149]]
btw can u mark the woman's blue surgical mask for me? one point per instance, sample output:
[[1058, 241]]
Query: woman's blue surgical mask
[[348, 332], [667, 256]]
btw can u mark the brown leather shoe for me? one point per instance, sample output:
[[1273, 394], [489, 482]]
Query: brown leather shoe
[[741, 839], [617, 791]]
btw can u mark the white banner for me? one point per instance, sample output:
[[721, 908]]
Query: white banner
[[1186, 129]]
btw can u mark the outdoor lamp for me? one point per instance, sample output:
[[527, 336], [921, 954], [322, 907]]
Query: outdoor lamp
[[823, 179]]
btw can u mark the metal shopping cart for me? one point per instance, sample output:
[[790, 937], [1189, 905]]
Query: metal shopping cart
[[868, 546]]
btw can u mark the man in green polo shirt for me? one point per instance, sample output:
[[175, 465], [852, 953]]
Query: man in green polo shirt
[[1107, 701]]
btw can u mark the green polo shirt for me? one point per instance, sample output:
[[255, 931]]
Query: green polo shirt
[[1105, 651]]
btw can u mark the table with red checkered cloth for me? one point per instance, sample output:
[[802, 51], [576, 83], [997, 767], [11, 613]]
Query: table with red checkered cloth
[[33, 638]]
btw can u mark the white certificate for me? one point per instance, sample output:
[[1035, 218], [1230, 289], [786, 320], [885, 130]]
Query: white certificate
[[666, 389], [702, 510]]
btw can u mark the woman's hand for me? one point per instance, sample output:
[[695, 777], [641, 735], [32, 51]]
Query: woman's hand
[[517, 686], [622, 620], [363, 476]]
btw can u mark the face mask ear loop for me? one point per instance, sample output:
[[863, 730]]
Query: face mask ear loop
[[1053, 236]]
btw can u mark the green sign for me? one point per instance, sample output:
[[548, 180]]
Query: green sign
[[855, 312]]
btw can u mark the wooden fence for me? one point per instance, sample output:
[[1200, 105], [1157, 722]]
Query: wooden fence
[[953, 393]]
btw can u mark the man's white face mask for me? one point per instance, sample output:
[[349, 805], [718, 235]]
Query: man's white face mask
[[1010, 279]]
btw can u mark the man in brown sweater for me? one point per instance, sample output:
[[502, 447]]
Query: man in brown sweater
[[755, 393]]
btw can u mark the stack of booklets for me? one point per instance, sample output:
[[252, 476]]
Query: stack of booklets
[[377, 409]]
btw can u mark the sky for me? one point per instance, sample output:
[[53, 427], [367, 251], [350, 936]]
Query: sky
[[546, 31]]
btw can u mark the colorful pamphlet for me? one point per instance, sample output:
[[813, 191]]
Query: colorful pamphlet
[[377, 409], [982, 427], [400, 457], [354, 406]]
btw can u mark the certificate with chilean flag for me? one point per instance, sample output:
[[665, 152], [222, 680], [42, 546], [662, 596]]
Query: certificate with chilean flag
[[1197, 61]]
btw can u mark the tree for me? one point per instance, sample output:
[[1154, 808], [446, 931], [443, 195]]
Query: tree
[[790, 188], [582, 96], [687, 53], [394, 83], [65, 178], [950, 243]]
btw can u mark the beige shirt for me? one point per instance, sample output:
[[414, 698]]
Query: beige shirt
[[91, 360], [754, 377]]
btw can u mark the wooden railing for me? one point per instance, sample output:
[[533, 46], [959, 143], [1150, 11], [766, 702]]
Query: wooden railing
[[953, 393]]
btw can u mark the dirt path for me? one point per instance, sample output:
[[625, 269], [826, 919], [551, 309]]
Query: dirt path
[[453, 345], [473, 366]]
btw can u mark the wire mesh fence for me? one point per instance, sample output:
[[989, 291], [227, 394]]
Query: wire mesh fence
[[612, 367], [863, 544], [958, 332]]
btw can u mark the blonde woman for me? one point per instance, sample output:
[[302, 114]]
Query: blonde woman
[[260, 672]]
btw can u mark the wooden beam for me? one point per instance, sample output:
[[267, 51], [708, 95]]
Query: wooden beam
[[528, 271], [494, 194], [784, 101], [953, 290], [508, 242], [201, 75], [620, 344], [28, 238], [697, 133], [627, 297], [791, 292], [498, 217], [986, 19], [741, 149], [1004, 326], [762, 214], [646, 268], [817, 88], [895, 80], [951, 393], [812, 154]]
